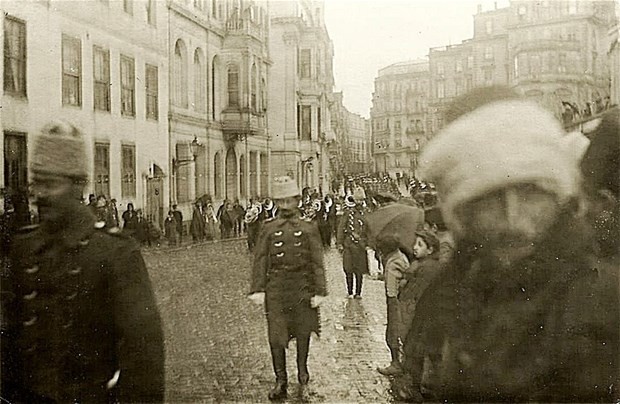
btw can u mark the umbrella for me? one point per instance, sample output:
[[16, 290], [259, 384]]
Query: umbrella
[[397, 219]]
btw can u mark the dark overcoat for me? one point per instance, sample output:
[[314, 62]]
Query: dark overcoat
[[288, 267], [545, 328], [78, 311], [353, 237]]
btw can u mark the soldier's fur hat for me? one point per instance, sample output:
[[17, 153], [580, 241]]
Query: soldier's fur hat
[[59, 150]]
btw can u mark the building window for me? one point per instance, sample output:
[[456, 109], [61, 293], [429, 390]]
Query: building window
[[488, 77], [233, 86], [128, 86], [128, 171], [183, 171], [102, 169], [516, 66], [214, 86], [488, 27], [522, 11], [152, 92], [562, 63], [572, 7], [150, 12], [305, 63], [15, 163], [264, 174], [101, 77], [306, 119], [14, 56], [254, 85], [242, 176], [180, 75], [470, 62], [397, 127], [263, 94], [458, 87], [440, 69], [469, 83], [71, 71], [441, 89], [488, 53], [458, 66], [198, 4], [128, 6], [200, 91]]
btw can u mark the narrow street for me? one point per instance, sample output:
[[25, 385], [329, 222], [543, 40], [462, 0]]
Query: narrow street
[[216, 339]]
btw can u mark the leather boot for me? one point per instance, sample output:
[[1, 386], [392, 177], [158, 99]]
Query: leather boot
[[303, 346], [279, 391]]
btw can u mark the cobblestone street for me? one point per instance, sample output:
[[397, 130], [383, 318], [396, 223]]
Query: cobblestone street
[[216, 339]]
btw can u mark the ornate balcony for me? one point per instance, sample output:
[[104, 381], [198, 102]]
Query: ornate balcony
[[238, 124]]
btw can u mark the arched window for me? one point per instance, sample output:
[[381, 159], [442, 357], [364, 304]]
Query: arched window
[[217, 175], [233, 86], [214, 86], [254, 81], [200, 103], [180, 75], [263, 94]]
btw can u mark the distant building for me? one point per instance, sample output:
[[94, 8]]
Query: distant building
[[102, 66], [351, 149], [400, 123], [299, 122]]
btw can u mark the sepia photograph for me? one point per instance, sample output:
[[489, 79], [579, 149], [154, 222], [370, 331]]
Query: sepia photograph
[[310, 201]]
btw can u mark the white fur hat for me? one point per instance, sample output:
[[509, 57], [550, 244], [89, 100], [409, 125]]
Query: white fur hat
[[284, 187], [497, 145]]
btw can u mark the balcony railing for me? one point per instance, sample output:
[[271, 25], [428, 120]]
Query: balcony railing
[[239, 123], [547, 44]]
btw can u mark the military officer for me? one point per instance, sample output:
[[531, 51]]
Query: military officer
[[289, 278], [81, 323]]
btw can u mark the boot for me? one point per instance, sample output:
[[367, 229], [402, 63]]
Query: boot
[[395, 367], [303, 346], [278, 356]]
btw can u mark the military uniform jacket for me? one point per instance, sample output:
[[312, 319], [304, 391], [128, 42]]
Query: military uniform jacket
[[80, 311], [352, 236], [288, 267]]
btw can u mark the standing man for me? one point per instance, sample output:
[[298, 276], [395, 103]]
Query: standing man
[[81, 320], [352, 242], [178, 216], [289, 278]]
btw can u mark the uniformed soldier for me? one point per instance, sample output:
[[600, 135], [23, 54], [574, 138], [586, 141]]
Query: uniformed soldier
[[80, 322], [289, 278], [353, 241]]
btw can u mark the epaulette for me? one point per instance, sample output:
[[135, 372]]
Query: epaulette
[[271, 219], [306, 219], [99, 225]]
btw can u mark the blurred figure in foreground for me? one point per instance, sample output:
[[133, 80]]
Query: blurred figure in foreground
[[81, 324], [523, 314]]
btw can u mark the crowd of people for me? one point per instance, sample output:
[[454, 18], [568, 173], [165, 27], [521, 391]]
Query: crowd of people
[[500, 267]]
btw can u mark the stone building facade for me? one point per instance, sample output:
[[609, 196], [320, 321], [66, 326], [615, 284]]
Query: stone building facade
[[102, 66], [299, 120], [350, 151], [399, 118]]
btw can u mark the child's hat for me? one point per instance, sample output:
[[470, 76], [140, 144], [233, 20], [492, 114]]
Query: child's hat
[[429, 238]]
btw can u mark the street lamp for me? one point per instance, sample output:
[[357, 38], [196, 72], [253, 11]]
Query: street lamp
[[193, 148]]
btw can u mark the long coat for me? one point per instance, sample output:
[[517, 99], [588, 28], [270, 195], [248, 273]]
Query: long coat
[[78, 310], [352, 236], [288, 267]]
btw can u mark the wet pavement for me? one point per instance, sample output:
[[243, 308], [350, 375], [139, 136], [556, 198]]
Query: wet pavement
[[216, 339]]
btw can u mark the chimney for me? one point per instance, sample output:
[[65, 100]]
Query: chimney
[[479, 8]]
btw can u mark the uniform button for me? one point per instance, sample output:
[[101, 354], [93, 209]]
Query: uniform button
[[31, 321], [75, 271], [297, 244], [297, 233], [68, 324], [83, 242], [31, 295], [280, 255], [278, 244], [33, 269], [278, 233], [71, 296], [31, 348]]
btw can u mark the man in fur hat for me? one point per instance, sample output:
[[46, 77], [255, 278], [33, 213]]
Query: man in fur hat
[[81, 321], [288, 277], [523, 314]]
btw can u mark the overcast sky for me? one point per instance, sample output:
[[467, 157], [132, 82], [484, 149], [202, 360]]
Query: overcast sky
[[371, 34]]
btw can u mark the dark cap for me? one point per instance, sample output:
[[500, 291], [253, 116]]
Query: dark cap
[[429, 238]]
